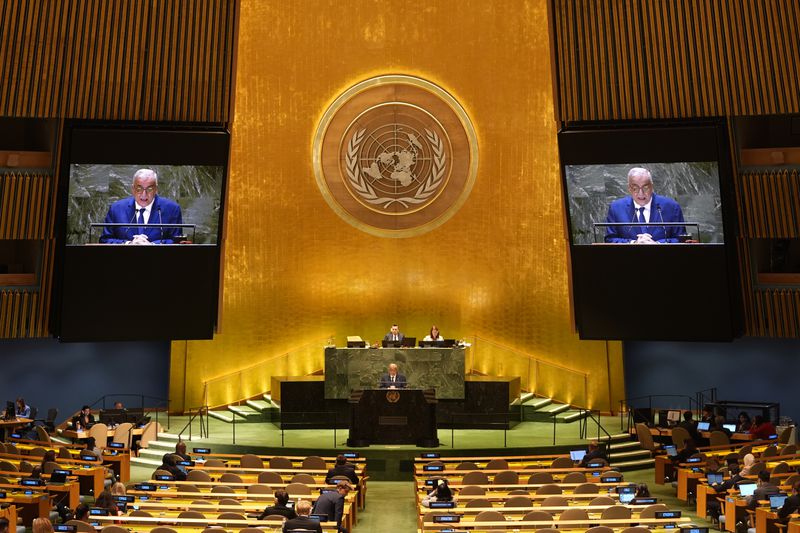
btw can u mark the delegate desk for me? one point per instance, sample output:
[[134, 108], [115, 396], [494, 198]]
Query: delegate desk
[[349, 369]]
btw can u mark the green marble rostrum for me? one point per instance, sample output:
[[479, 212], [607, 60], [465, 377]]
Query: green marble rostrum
[[348, 369]]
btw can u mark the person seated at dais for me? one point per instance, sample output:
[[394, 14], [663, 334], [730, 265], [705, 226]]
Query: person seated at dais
[[434, 335], [394, 334]]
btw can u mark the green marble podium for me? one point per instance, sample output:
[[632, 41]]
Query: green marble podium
[[349, 369]]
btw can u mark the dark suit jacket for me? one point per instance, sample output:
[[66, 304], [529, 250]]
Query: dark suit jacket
[[302, 522], [662, 209], [279, 510], [330, 504], [388, 337], [791, 505], [400, 381], [762, 493], [85, 422], [124, 212], [729, 483], [343, 470], [596, 454]]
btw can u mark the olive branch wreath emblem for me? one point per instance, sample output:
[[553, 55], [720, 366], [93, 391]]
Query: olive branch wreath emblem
[[367, 192]]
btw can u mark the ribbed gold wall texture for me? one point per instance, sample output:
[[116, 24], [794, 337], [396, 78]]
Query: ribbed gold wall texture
[[626, 59], [294, 271], [126, 59]]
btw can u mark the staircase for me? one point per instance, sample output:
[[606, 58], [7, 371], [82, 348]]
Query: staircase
[[154, 453], [260, 409], [536, 409], [625, 452]]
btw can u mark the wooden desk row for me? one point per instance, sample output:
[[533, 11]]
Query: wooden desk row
[[118, 460]]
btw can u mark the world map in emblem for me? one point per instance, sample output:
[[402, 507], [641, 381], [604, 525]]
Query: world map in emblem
[[395, 156]]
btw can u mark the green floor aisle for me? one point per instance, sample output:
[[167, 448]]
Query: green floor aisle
[[390, 507]]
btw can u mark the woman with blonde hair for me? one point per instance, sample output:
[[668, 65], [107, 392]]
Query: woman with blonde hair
[[42, 525]]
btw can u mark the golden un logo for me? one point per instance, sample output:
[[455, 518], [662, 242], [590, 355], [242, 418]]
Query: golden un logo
[[395, 156]]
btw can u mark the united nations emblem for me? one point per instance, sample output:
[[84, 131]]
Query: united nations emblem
[[395, 156], [392, 396]]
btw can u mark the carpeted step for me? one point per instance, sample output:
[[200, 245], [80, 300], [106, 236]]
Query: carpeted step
[[572, 415], [614, 438], [630, 455], [625, 446], [638, 464], [246, 413], [259, 405], [225, 416]]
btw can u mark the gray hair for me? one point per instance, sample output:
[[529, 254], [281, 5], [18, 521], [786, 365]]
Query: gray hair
[[639, 171], [145, 173]]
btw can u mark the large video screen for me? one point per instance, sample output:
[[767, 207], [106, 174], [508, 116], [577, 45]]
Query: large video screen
[[141, 215], [181, 204], [650, 206], [679, 202]]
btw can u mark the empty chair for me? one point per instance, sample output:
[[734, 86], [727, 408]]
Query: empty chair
[[769, 451], [547, 530], [645, 438], [139, 512], [227, 477], [314, 462], [574, 514], [122, 434], [555, 501], [791, 480], [308, 479], [230, 516], [63, 453], [214, 463], [191, 514], [518, 501], [679, 436], [229, 501], [636, 529], [281, 463], [472, 490], [298, 489], [37, 452], [600, 529], [718, 438], [538, 516], [475, 477], [83, 527], [562, 462], [549, 489], [272, 517], [114, 529], [11, 449], [650, 510], [603, 500], [269, 477], [757, 467], [254, 529], [789, 449], [42, 435], [189, 488], [506, 477], [587, 488], [783, 438], [518, 492], [780, 468], [100, 433], [575, 477], [162, 529], [25, 466], [4, 480], [5, 466], [217, 489], [490, 516], [478, 502], [428, 518], [610, 474], [616, 511], [160, 472], [49, 466], [542, 478], [149, 433], [198, 475], [249, 460], [497, 464], [466, 465], [259, 489], [744, 450]]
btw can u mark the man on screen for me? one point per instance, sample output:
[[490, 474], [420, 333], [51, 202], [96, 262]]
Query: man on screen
[[143, 207], [643, 206]]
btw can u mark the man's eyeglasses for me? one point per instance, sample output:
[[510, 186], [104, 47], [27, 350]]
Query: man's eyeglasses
[[644, 188], [149, 190]]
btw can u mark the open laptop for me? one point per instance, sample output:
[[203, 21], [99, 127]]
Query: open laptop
[[714, 479], [671, 450], [776, 500], [730, 427], [58, 477], [577, 455], [747, 489], [703, 426]]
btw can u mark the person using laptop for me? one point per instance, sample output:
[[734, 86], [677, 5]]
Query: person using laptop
[[713, 506], [690, 425], [763, 490], [302, 522], [168, 464], [331, 504], [791, 504], [689, 449], [719, 425], [762, 429], [393, 379], [394, 334], [279, 507], [342, 468], [434, 335], [593, 452]]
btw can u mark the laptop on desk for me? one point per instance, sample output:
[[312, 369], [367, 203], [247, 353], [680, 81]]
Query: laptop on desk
[[747, 489], [703, 426], [58, 477], [776, 501]]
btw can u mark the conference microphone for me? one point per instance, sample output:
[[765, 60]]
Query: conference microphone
[[658, 207], [161, 222], [132, 221]]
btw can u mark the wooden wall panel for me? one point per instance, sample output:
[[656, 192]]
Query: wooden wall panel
[[127, 59], [25, 201], [619, 59]]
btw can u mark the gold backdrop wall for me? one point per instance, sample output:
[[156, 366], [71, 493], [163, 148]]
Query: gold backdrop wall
[[295, 273]]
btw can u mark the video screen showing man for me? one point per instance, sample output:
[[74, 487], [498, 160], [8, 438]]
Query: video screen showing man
[[643, 206], [144, 206], [393, 379]]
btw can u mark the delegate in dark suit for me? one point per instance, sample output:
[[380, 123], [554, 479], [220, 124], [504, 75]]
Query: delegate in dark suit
[[302, 523], [790, 506], [345, 470], [331, 504], [123, 211], [662, 209], [399, 381]]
